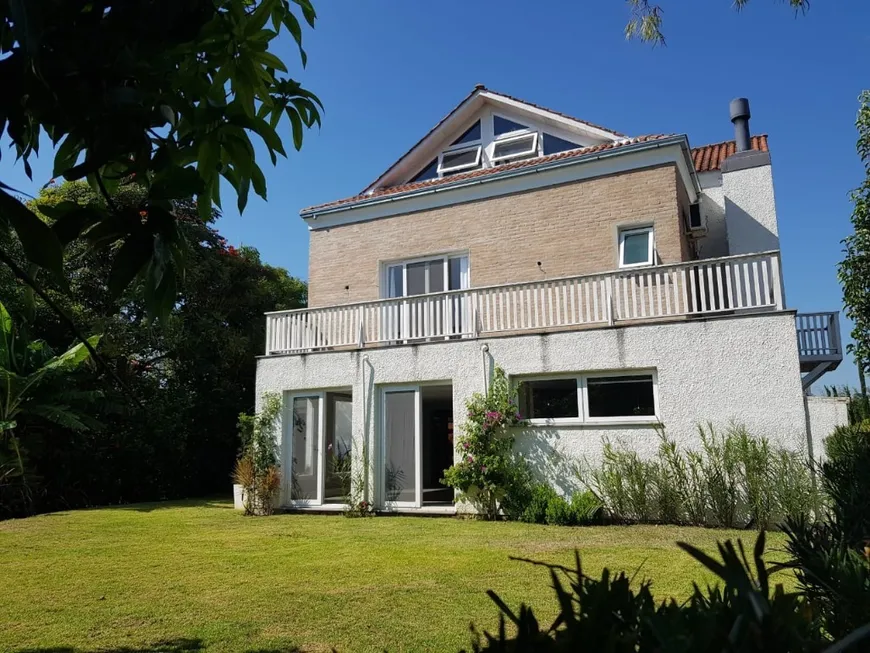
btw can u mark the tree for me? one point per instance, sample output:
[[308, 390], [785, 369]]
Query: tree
[[191, 374], [646, 18], [34, 385], [854, 271], [163, 94]]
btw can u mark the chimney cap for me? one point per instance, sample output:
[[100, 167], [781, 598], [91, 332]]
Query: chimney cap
[[739, 108]]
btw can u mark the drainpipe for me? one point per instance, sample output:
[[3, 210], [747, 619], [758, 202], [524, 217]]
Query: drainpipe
[[483, 351], [365, 457]]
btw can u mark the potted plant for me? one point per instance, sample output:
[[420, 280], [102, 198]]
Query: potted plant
[[257, 475]]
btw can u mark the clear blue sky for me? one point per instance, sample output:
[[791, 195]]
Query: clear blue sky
[[388, 71]]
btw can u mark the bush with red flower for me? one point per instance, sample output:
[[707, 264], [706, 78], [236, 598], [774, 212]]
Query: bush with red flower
[[488, 470]]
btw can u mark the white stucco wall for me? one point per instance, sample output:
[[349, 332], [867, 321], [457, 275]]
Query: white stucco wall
[[750, 210], [743, 369], [712, 205], [824, 414]]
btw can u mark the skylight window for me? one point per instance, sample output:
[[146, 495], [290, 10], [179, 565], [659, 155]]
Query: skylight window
[[516, 147], [553, 144], [458, 160], [471, 135], [504, 126]]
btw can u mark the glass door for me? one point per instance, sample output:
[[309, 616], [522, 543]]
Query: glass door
[[303, 440], [317, 448], [401, 451], [426, 318]]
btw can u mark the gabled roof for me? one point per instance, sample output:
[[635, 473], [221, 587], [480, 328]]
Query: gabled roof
[[481, 93], [484, 172], [710, 157]]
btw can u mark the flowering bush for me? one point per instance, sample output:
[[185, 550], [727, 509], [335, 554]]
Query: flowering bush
[[487, 470]]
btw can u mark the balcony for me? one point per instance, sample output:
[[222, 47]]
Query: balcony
[[819, 344], [730, 285]]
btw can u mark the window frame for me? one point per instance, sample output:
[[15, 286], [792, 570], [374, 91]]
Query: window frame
[[651, 246], [405, 262], [478, 160], [511, 137], [584, 418]]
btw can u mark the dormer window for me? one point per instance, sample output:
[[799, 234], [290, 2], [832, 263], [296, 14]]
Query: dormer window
[[515, 147], [457, 160]]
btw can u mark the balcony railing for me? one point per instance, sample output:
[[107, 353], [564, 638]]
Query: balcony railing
[[819, 339], [734, 284]]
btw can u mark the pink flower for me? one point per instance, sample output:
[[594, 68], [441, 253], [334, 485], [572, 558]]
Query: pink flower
[[465, 445]]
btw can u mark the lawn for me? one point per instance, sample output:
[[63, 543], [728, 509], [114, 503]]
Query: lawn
[[200, 576]]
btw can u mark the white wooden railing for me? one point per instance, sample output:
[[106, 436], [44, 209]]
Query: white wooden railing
[[818, 336], [730, 284]]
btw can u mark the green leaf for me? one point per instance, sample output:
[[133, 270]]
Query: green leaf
[[40, 243], [176, 183], [73, 357], [67, 155], [258, 181], [269, 60], [71, 225], [6, 335], [296, 121], [129, 261], [167, 114]]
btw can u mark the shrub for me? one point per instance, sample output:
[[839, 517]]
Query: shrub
[[585, 508], [488, 470], [846, 479], [559, 512], [539, 499], [745, 613], [257, 467], [733, 480]]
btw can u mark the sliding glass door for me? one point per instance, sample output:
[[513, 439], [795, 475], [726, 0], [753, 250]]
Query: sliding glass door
[[416, 445], [423, 317], [317, 448], [401, 447]]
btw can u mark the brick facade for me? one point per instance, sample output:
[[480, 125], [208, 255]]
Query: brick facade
[[571, 229]]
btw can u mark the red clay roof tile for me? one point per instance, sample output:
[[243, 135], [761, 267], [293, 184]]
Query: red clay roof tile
[[706, 159], [483, 172], [710, 157]]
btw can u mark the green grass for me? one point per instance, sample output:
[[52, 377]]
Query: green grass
[[199, 575]]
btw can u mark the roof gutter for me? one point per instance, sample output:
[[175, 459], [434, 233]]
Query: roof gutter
[[680, 140]]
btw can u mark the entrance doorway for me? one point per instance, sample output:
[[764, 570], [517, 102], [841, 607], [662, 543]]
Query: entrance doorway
[[417, 445], [317, 448]]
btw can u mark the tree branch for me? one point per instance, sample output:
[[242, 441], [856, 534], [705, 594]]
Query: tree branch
[[24, 276]]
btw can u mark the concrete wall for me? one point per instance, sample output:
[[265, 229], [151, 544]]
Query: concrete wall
[[712, 205], [742, 369], [570, 228], [750, 210], [824, 414]]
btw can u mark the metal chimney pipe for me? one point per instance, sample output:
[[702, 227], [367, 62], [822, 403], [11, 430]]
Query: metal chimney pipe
[[740, 117]]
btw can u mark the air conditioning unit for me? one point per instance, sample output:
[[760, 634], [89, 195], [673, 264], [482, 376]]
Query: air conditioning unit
[[696, 222]]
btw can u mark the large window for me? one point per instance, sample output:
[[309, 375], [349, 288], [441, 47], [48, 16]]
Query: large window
[[636, 247], [591, 398], [424, 276]]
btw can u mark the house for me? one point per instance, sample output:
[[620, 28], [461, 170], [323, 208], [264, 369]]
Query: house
[[627, 282]]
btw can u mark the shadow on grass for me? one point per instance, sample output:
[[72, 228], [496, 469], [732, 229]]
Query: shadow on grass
[[216, 502], [181, 645]]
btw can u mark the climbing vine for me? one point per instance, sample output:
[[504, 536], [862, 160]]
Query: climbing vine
[[487, 469]]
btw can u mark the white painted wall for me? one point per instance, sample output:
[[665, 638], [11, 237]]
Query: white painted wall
[[743, 369], [750, 210], [824, 414], [712, 205]]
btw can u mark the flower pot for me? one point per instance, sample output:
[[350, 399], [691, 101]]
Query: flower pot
[[238, 497]]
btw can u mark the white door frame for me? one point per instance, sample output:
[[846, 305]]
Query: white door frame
[[418, 447], [287, 447]]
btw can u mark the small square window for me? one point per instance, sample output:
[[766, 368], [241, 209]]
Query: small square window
[[621, 396], [636, 247], [515, 147], [549, 399], [457, 160]]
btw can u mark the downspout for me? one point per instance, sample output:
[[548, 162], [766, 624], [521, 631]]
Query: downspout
[[484, 349], [365, 442]]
